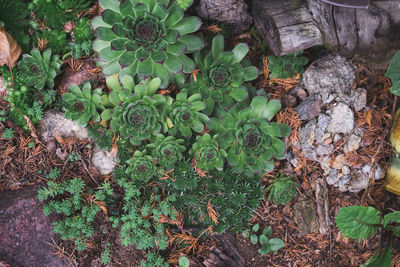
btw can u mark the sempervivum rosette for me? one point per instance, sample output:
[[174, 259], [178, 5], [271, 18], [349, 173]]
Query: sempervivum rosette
[[167, 150], [221, 75], [207, 153], [252, 141], [146, 38], [141, 167], [38, 69]]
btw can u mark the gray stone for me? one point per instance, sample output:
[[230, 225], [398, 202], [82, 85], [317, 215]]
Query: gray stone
[[309, 108], [305, 216], [299, 91], [339, 161], [337, 138], [321, 135], [343, 179], [358, 98], [55, 123], [232, 12], [332, 177], [330, 76], [345, 170], [104, 161], [323, 150], [307, 138], [342, 120], [353, 143]]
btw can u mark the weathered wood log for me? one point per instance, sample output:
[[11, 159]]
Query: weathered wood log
[[224, 253], [371, 34]]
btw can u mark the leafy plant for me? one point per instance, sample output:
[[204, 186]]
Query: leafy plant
[[207, 153], [282, 189], [252, 141], [147, 38], [138, 117], [286, 66], [393, 73], [153, 259], [268, 245], [184, 4], [221, 75], [3, 116], [184, 114], [141, 167], [51, 39], [105, 256], [83, 104], [167, 150], [8, 133], [79, 216], [361, 222], [38, 69], [82, 37], [73, 156], [184, 262]]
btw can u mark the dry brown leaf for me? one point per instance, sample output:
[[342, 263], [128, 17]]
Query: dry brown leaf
[[32, 129], [212, 214], [9, 49]]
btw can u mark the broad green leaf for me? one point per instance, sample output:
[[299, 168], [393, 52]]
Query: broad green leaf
[[173, 64], [153, 85], [184, 262], [114, 98], [246, 233], [255, 227], [384, 259], [188, 25], [239, 94], [276, 243], [358, 222], [240, 51], [254, 239], [106, 114], [393, 217], [250, 73], [393, 72], [263, 239], [395, 88], [112, 82], [217, 45]]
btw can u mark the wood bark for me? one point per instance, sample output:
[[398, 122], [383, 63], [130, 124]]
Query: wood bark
[[371, 34], [224, 253]]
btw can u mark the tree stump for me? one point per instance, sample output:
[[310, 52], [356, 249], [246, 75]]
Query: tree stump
[[371, 34]]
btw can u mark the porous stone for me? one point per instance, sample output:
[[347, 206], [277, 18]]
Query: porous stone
[[55, 123], [309, 108], [339, 161], [307, 138], [358, 99], [231, 12], [342, 120], [321, 135], [305, 216], [330, 77], [25, 230], [323, 150], [104, 161], [332, 177], [353, 143]]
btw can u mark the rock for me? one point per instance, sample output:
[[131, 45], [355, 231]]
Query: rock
[[367, 170], [332, 177], [231, 12], [339, 161], [62, 154], [55, 123], [307, 138], [288, 101], [103, 161], [299, 91], [305, 216], [323, 122], [309, 108], [330, 76], [345, 170], [353, 143], [323, 150], [358, 99], [337, 138], [342, 120], [24, 230]]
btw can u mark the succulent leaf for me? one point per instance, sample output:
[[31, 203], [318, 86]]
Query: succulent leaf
[[167, 150], [141, 167], [208, 154]]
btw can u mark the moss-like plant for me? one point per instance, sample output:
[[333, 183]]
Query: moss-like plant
[[147, 38], [252, 141], [83, 104], [39, 69], [221, 75], [184, 114], [207, 153]]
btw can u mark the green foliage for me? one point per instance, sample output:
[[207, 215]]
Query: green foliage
[[57, 12], [38, 69], [268, 245], [83, 104], [361, 222], [3, 116], [53, 174], [105, 256], [138, 117], [221, 75], [56, 40], [393, 73], [233, 197], [82, 37], [166, 150], [101, 136], [73, 156], [141, 167], [78, 216], [252, 141], [14, 18], [184, 4], [184, 114], [207, 153], [146, 38], [282, 190], [8, 133], [153, 259], [286, 66], [184, 262]]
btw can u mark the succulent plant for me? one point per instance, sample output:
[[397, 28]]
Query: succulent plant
[[138, 116], [253, 141], [141, 167], [147, 38], [39, 69], [82, 105], [184, 114], [221, 75], [287, 66], [167, 150], [207, 153], [282, 190]]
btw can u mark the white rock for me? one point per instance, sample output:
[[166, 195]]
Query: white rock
[[103, 161], [353, 143], [342, 120]]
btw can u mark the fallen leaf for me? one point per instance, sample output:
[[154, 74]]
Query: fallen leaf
[[9, 49]]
